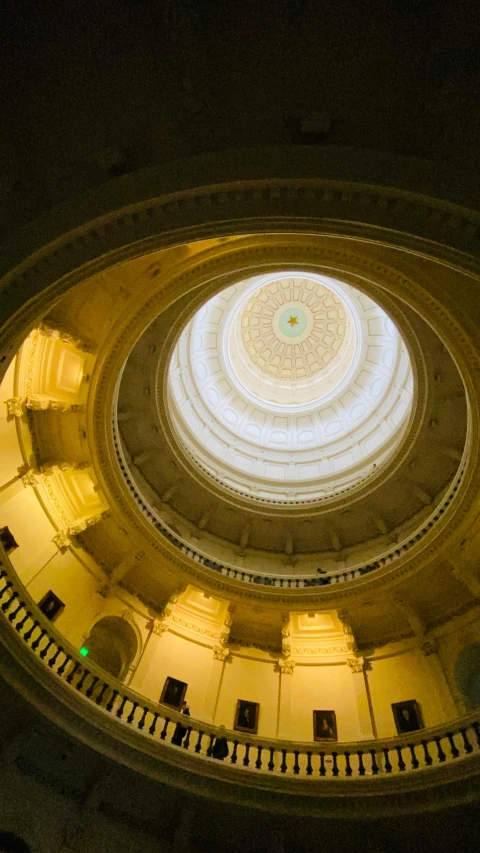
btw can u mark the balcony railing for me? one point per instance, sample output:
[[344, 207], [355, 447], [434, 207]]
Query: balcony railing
[[283, 580], [410, 753]]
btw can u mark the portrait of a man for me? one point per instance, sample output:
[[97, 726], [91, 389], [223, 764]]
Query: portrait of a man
[[246, 716], [51, 606], [173, 692], [324, 725], [408, 717]]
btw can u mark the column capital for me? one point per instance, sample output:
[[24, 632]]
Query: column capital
[[220, 653], [29, 478], [357, 664], [62, 541], [286, 666], [14, 407]]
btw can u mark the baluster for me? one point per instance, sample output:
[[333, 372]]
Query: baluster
[[52, 661], [375, 767], [246, 760], [283, 766], [131, 715], [309, 770], [111, 701], [258, 763], [141, 723], [415, 761], [73, 671], [453, 748], [27, 637], [20, 625], [85, 673], [163, 733], [234, 753], [476, 728], [39, 639], [401, 764], [5, 587], [441, 754], [8, 602], [388, 766], [154, 724], [186, 742], [210, 745], [271, 763], [14, 614], [335, 770], [348, 768], [468, 746], [63, 667], [296, 766], [361, 766], [198, 745], [323, 771], [122, 707], [89, 692], [43, 653], [428, 757]]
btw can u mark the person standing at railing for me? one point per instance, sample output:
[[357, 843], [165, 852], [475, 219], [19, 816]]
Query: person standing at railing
[[220, 747], [180, 729]]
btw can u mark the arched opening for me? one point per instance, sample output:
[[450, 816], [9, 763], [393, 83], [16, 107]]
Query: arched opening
[[112, 645], [467, 675], [10, 843]]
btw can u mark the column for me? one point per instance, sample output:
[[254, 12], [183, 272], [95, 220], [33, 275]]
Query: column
[[430, 650], [358, 667], [284, 726], [149, 653], [212, 693]]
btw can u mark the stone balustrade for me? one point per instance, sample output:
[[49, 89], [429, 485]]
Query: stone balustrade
[[410, 753]]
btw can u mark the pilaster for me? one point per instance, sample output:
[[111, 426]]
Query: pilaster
[[358, 667]]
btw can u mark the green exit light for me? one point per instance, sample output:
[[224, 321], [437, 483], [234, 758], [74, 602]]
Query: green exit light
[[84, 651]]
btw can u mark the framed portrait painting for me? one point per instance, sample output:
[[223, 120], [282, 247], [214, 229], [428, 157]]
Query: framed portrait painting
[[324, 725], [173, 692], [246, 716], [407, 716], [51, 606]]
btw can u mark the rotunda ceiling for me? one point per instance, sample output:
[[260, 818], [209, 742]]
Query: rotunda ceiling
[[204, 429], [290, 388]]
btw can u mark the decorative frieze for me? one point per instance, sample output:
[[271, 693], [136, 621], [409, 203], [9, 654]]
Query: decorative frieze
[[38, 404], [65, 337]]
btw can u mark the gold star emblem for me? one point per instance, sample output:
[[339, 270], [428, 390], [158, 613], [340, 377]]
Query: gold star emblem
[[293, 321]]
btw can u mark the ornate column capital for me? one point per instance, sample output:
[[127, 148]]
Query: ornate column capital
[[357, 664], [220, 653], [29, 478], [160, 628], [287, 666], [62, 541], [14, 407]]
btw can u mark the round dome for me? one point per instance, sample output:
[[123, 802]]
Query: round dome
[[290, 387]]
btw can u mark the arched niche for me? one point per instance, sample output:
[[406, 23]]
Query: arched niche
[[467, 675], [112, 644], [10, 843]]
